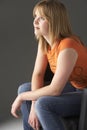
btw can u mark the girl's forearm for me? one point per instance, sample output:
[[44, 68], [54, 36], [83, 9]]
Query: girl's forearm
[[34, 95], [37, 82]]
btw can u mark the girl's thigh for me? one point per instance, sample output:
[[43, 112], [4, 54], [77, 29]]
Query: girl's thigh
[[68, 104]]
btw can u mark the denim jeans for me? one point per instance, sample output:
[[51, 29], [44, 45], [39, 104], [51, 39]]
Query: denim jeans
[[50, 109]]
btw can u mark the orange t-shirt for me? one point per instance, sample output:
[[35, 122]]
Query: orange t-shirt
[[78, 77]]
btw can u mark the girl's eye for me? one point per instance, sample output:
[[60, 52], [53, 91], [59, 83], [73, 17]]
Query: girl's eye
[[34, 16], [42, 18]]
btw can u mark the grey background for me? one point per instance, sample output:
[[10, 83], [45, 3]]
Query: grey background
[[18, 45]]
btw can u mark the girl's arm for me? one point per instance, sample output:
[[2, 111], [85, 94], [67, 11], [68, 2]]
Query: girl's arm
[[37, 80], [39, 69], [65, 64]]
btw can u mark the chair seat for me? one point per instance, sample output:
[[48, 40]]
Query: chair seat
[[70, 123]]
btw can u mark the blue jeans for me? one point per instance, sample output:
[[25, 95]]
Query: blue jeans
[[50, 109]]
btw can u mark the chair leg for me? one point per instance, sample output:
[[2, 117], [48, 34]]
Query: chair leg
[[83, 114]]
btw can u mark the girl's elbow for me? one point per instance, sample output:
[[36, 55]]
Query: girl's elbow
[[56, 93]]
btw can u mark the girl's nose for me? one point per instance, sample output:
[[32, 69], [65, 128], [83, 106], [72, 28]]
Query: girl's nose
[[35, 21]]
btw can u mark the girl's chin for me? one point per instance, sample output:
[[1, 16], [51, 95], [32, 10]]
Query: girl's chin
[[37, 35]]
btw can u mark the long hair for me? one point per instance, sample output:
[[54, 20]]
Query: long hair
[[57, 16]]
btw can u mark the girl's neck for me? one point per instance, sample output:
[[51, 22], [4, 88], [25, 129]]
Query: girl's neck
[[52, 45]]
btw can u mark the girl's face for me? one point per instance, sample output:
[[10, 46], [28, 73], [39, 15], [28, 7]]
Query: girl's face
[[41, 26]]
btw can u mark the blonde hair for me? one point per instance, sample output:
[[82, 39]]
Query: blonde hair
[[57, 16]]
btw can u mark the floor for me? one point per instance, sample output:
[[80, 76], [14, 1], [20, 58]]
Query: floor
[[12, 124]]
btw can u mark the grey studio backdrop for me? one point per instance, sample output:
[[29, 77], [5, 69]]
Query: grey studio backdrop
[[18, 45]]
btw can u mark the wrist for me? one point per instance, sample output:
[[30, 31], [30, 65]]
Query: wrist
[[20, 97], [33, 104]]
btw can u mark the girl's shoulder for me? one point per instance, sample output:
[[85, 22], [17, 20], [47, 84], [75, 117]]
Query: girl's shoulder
[[72, 38], [70, 42]]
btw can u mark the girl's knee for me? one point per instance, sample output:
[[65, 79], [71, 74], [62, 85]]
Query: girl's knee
[[41, 103], [24, 87]]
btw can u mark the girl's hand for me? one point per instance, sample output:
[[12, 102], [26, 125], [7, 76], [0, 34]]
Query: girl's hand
[[33, 120], [16, 106]]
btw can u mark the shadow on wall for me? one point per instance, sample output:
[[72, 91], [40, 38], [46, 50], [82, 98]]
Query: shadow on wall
[[17, 49]]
